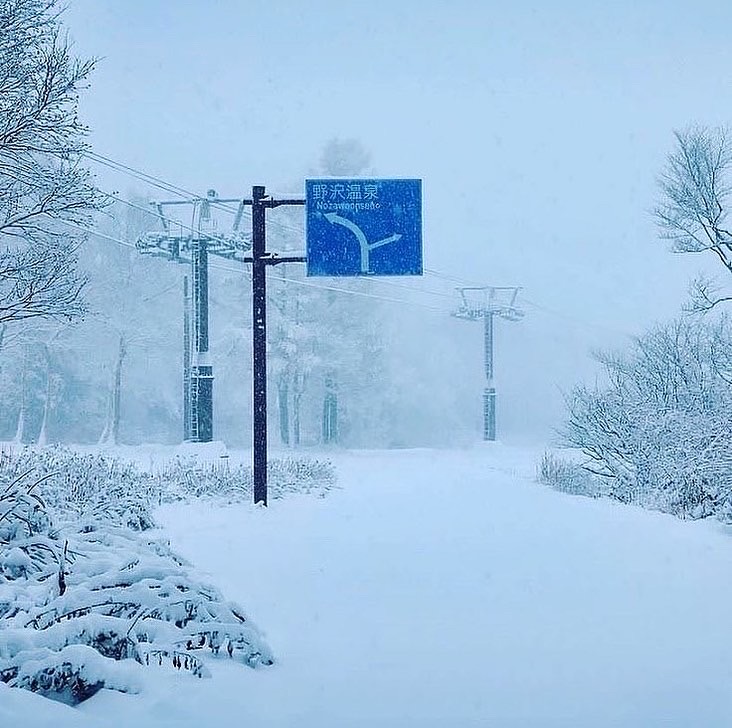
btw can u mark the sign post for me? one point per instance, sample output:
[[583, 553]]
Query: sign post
[[354, 227], [259, 346], [260, 202]]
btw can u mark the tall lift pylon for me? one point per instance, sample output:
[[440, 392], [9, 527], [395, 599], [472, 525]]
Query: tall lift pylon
[[487, 302], [191, 244]]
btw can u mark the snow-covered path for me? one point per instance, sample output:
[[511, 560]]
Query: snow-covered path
[[447, 589]]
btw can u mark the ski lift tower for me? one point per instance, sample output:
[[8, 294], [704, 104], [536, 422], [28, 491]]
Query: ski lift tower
[[486, 302], [192, 244]]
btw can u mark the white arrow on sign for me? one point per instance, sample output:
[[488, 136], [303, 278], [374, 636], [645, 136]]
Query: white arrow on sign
[[335, 219]]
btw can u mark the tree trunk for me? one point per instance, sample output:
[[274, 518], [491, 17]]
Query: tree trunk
[[43, 434], [110, 435], [18, 439], [299, 388], [330, 410], [296, 419], [284, 410], [117, 391]]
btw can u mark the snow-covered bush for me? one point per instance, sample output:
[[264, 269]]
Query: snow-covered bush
[[125, 601], [289, 476], [87, 487], [86, 599], [568, 476], [96, 487], [28, 547], [659, 432]]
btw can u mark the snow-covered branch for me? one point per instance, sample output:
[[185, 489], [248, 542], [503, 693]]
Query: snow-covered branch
[[42, 182]]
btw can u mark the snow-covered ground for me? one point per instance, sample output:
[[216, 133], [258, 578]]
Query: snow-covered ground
[[446, 588]]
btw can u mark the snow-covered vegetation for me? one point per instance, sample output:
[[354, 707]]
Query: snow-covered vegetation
[[89, 593], [125, 601], [98, 485], [657, 431], [188, 477]]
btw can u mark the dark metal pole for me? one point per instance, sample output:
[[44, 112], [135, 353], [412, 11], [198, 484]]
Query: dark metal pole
[[200, 253], [489, 393], [202, 371], [259, 344], [186, 361]]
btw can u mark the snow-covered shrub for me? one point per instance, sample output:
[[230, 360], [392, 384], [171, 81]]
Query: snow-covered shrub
[[300, 475], [688, 470], [659, 432], [93, 488], [86, 599], [127, 600], [29, 548], [568, 476], [72, 674], [289, 476], [87, 487]]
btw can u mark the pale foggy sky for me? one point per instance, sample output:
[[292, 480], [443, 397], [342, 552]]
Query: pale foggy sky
[[538, 128]]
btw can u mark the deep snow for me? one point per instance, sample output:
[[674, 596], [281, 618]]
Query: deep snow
[[446, 588]]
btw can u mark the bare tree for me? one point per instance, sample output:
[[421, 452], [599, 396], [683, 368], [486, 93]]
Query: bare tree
[[46, 195], [124, 294], [693, 211]]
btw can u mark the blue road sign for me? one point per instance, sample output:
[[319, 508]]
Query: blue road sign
[[361, 227]]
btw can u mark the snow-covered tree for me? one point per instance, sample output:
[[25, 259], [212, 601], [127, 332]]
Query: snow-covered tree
[[39, 383], [43, 185], [658, 431], [694, 206], [134, 320]]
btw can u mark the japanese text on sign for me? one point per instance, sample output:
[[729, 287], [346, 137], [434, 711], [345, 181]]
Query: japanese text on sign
[[348, 196]]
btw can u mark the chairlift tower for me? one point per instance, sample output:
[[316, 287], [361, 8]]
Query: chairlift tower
[[192, 244], [486, 302]]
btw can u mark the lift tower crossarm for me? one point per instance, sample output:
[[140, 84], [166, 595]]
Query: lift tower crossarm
[[193, 244], [488, 302]]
